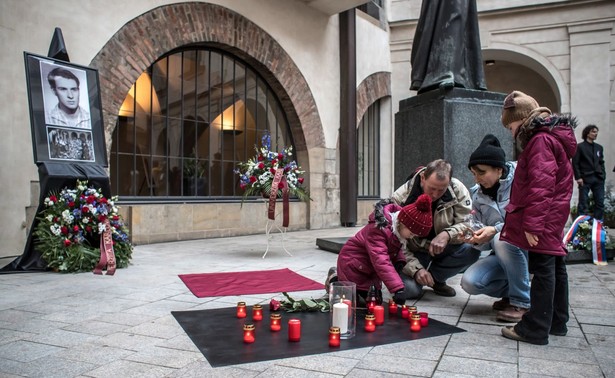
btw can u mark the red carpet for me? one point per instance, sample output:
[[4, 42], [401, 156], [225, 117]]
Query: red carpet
[[251, 282]]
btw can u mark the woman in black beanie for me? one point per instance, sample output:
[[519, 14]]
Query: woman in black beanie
[[504, 273]]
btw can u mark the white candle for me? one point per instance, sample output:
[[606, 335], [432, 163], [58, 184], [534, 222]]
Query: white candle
[[340, 317]]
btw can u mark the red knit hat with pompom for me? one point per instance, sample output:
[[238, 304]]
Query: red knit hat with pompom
[[417, 216]]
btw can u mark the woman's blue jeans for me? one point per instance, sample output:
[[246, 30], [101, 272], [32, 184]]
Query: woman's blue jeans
[[502, 274]]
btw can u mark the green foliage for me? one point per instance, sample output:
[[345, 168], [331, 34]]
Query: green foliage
[[303, 305]]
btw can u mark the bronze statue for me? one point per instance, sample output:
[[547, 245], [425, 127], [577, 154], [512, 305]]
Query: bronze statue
[[446, 48]]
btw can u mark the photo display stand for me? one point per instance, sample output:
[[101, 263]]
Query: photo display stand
[[68, 139]]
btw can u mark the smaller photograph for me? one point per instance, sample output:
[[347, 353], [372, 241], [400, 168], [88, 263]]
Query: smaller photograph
[[65, 93], [70, 144]]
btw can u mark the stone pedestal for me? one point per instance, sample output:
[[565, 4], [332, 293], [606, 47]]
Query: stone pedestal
[[447, 123]]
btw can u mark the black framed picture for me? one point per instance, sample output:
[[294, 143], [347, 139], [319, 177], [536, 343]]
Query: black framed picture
[[65, 111]]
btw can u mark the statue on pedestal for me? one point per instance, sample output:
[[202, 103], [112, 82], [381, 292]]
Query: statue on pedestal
[[446, 49]]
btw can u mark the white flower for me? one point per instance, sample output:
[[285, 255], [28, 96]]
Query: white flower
[[67, 216], [101, 227], [55, 229], [49, 217]]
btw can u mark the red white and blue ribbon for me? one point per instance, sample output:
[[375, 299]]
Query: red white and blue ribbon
[[598, 235], [598, 243], [574, 227]]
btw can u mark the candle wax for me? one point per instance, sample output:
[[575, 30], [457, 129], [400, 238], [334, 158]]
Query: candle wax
[[340, 317]]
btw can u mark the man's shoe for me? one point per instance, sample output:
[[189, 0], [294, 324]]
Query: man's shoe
[[510, 333], [441, 288], [512, 314], [500, 305], [331, 277]]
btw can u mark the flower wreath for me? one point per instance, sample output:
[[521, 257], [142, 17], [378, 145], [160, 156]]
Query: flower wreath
[[70, 227], [256, 176]]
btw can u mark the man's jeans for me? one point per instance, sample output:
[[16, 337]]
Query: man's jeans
[[503, 274], [597, 188], [454, 259]]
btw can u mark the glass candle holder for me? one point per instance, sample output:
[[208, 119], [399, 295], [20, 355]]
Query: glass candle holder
[[241, 309], [257, 312], [415, 323], [248, 333], [334, 336], [404, 311], [379, 314], [392, 308], [412, 310], [343, 303], [294, 330], [424, 319], [370, 323], [275, 322]]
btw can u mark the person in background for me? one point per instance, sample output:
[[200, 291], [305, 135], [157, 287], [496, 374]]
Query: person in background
[[441, 254], [589, 172], [372, 255], [538, 210], [504, 273]]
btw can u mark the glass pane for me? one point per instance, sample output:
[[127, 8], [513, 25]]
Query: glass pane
[[189, 86], [126, 175], [125, 135], [202, 86], [175, 86], [159, 84], [159, 176], [159, 136], [175, 177]]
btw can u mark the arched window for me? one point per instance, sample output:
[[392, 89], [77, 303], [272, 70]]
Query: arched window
[[368, 152], [187, 122]]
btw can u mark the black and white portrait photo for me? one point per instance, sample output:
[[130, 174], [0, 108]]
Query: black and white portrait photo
[[65, 93]]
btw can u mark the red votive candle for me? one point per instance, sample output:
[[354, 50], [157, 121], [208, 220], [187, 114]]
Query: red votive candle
[[241, 309], [248, 333], [370, 323], [404, 311], [370, 306], [275, 322], [379, 314], [257, 312], [415, 323], [294, 330], [392, 308], [411, 311], [334, 336], [424, 319]]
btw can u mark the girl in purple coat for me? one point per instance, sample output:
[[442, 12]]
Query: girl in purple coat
[[375, 254], [538, 210]]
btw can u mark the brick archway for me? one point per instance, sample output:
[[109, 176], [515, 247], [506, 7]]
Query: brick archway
[[141, 41], [374, 87]]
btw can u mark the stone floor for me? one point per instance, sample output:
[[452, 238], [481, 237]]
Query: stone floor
[[83, 325]]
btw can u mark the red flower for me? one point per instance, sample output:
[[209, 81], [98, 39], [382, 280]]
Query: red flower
[[71, 204], [300, 179], [64, 230], [280, 156], [76, 228], [252, 179], [272, 170], [88, 228], [91, 199], [85, 209], [116, 217], [261, 158], [53, 198], [274, 305], [66, 242], [261, 165], [103, 200]]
